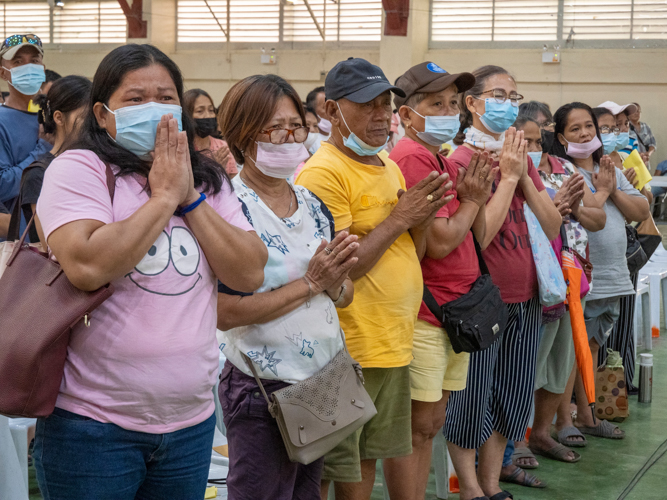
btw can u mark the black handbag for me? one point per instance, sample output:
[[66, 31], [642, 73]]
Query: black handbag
[[635, 254], [476, 320]]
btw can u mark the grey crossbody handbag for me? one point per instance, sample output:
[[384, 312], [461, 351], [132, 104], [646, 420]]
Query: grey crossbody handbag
[[316, 414]]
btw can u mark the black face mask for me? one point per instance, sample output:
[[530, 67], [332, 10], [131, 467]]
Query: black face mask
[[547, 140], [205, 127]]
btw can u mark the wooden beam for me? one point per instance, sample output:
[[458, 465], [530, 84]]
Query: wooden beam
[[136, 26]]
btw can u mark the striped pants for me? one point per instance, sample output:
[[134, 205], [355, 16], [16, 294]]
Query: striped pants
[[622, 337], [501, 380]]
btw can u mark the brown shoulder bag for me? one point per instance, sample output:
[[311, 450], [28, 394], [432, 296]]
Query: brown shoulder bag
[[38, 309]]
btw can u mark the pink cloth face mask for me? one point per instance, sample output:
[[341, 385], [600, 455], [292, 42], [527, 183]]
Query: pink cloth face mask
[[582, 150], [280, 160]]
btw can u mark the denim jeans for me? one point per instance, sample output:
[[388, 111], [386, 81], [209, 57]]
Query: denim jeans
[[79, 458]]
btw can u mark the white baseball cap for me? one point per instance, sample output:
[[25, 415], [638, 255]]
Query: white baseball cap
[[617, 108]]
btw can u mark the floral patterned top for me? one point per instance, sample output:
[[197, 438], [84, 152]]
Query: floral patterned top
[[561, 169]]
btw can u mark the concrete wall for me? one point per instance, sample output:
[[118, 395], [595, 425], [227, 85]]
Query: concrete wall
[[588, 75]]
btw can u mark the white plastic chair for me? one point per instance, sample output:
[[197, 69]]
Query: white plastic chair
[[657, 274], [642, 330], [12, 483], [19, 428]]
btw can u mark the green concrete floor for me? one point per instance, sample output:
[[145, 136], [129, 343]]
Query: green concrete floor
[[606, 467]]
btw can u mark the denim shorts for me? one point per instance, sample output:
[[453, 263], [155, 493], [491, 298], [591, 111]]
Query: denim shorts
[[79, 458]]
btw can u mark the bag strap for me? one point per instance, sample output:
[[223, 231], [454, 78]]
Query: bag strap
[[632, 127], [15, 221], [251, 365], [428, 297]]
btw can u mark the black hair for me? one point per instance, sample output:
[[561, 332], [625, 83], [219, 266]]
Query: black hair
[[207, 173], [600, 112], [560, 117], [51, 76], [481, 74], [311, 98], [310, 110], [533, 108], [521, 121], [65, 95]]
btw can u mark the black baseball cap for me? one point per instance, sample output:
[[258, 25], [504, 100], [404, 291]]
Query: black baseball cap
[[429, 77], [358, 81]]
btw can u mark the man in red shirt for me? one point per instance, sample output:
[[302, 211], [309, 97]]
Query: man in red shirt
[[430, 115]]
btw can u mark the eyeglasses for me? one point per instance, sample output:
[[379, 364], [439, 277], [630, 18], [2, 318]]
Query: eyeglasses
[[546, 124], [501, 96], [280, 135], [15, 40], [608, 130]]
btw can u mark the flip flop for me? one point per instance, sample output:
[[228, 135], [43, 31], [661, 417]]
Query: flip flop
[[558, 452], [604, 430], [503, 495], [520, 453], [528, 480], [565, 435]]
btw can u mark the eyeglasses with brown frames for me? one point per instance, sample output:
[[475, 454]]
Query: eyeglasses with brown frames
[[280, 135]]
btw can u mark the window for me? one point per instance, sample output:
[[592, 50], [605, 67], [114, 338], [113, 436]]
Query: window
[[260, 20], [547, 20], [73, 22], [25, 17], [89, 22]]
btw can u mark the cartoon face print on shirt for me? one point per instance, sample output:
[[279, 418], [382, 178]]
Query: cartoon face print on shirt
[[171, 265]]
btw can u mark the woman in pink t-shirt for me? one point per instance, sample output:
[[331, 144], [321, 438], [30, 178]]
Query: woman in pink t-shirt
[[134, 416], [495, 406], [199, 105]]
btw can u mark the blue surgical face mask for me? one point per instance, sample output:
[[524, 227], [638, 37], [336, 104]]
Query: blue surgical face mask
[[536, 156], [609, 143], [356, 145], [136, 126], [622, 140], [438, 129], [28, 78], [498, 117]]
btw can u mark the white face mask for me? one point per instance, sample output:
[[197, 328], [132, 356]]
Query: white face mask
[[311, 140], [280, 160]]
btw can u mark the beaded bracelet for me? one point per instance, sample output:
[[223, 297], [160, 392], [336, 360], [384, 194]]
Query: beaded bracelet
[[180, 212]]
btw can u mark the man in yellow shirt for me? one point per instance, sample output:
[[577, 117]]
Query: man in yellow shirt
[[365, 192]]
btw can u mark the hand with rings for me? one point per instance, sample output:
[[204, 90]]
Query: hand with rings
[[418, 204], [332, 262], [473, 184]]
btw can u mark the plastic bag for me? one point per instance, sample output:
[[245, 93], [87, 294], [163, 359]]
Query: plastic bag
[[549, 274]]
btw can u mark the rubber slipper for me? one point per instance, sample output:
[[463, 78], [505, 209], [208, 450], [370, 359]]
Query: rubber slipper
[[503, 495], [523, 452], [604, 430], [558, 452], [528, 480], [564, 436]]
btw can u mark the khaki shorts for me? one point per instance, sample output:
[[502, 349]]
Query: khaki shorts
[[387, 435], [435, 367]]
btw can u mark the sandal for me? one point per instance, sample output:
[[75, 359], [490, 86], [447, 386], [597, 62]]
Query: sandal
[[604, 430], [528, 480], [503, 495], [565, 435], [523, 452], [558, 452]]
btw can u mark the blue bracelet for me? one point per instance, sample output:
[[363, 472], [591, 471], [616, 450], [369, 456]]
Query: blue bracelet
[[182, 211]]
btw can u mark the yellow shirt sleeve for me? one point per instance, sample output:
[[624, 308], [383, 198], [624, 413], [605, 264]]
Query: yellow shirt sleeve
[[329, 188]]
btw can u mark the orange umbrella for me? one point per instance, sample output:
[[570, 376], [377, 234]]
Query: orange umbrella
[[572, 275]]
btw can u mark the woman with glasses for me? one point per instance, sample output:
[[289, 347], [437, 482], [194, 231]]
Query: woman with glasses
[[495, 406], [555, 358], [289, 328], [579, 141]]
